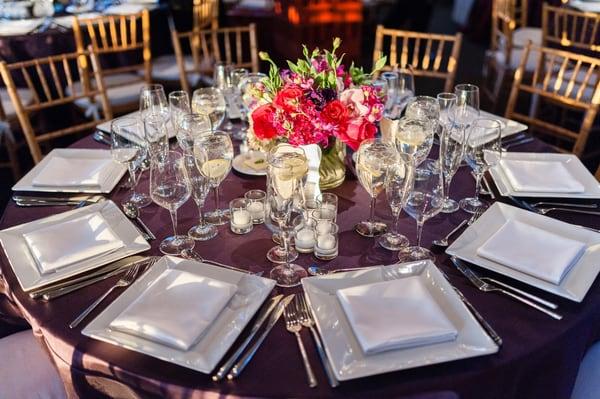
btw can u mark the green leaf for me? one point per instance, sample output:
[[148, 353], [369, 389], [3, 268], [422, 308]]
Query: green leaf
[[380, 64]]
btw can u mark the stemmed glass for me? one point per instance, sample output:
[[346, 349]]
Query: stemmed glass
[[199, 186], [179, 104], [446, 102], [482, 151], [235, 100], [157, 138], [132, 152], [414, 138], [192, 126], [392, 91], [452, 149], [398, 184], [406, 88], [466, 109], [425, 201], [169, 188], [286, 172], [214, 154], [222, 81], [250, 88], [154, 101], [209, 101], [374, 158]]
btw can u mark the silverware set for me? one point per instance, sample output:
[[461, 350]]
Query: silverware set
[[77, 200], [443, 242]]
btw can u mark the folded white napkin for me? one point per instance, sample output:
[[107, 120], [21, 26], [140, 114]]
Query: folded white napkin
[[533, 251], [72, 241], [73, 172], [176, 309], [395, 314], [540, 176], [19, 26]]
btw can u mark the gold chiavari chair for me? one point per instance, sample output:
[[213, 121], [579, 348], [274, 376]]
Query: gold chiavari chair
[[235, 45], [571, 30], [509, 35], [555, 81], [52, 82], [430, 55], [206, 14], [122, 43]]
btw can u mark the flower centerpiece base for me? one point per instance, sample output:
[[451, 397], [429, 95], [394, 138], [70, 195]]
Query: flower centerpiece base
[[332, 170]]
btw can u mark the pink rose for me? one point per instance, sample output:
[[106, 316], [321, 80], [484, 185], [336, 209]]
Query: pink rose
[[354, 99]]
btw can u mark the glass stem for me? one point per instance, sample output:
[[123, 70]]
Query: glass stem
[[447, 180], [372, 213], [131, 169], [174, 221], [419, 232], [200, 214], [286, 247], [477, 185], [217, 210], [396, 225]]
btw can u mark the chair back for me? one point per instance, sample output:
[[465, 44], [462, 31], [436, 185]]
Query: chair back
[[429, 54], [206, 14], [52, 82], [507, 16], [571, 30], [234, 45], [567, 80]]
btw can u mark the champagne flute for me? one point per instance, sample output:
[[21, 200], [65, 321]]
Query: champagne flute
[[222, 81], [424, 201], [192, 126], [214, 154], [179, 105], [126, 150], [398, 184], [452, 149], [154, 101], [466, 110], [374, 158], [199, 186], [169, 188], [157, 139], [209, 101], [483, 150]]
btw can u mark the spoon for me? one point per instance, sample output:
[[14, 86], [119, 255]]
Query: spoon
[[133, 212], [315, 270], [444, 241]]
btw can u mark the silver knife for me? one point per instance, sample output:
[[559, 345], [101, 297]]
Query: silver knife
[[490, 331], [61, 198], [262, 317], [245, 359]]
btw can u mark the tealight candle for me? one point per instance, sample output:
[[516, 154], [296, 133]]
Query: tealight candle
[[323, 227], [241, 218], [326, 245], [329, 205], [305, 240], [256, 205]]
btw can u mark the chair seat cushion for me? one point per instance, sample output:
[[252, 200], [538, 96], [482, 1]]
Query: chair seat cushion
[[515, 59], [26, 370], [7, 104], [165, 68], [525, 34], [521, 37], [122, 89]]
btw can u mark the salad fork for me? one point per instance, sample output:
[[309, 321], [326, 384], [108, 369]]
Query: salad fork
[[292, 324]]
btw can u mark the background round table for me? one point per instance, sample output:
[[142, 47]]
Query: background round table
[[539, 358]]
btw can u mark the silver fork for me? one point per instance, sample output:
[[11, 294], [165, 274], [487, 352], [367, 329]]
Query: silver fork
[[292, 324], [307, 321], [124, 281], [568, 204], [543, 211], [486, 287]]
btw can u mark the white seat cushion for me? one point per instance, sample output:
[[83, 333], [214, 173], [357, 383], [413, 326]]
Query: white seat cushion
[[7, 104], [165, 68], [120, 90], [588, 91], [26, 370], [515, 59], [523, 35], [587, 384]]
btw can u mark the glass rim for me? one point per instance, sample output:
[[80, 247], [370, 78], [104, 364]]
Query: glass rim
[[152, 87], [249, 193], [468, 87], [446, 96]]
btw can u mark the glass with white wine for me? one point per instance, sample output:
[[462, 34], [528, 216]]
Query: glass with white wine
[[214, 154], [399, 182], [374, 158], [414, 139], [209, 101]]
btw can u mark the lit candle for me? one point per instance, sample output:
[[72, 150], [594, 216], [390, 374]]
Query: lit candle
[[323, 227], [257, 210], [328, 211], [326, 242], [241, 218], [305, 240]]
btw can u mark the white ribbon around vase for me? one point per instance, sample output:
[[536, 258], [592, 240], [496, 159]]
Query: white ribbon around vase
[[313, 155]]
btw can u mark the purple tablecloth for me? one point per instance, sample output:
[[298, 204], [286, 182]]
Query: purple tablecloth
[[539, 358]]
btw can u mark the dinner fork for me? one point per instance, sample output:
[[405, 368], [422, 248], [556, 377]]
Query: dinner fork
[[487, 287], [124, 281], [307, 321], [292, 324]]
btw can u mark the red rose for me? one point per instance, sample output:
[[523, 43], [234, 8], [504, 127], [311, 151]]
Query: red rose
[[358, 131], [263, 122], [335, 112], [288, 98]]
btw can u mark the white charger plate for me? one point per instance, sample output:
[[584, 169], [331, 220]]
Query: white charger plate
[[570, 161], [238, 164], [24, 266], [105, 127], [344, 351], [215, 341], [509, 127], [574, 285], [106, 186]]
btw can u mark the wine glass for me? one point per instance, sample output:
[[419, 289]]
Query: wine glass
[[209, 101], [179, 105], [251, 87], [157, 139], [398, 184], [414, 138], [192, 126], [199, 186], [406, 88], [483, 150], [374, 158], [214, 154], [286, 172], [391, 80], [234, 99], [169, 188], [424, 201], [153, 101], [466, 109], [424, 107], [447, 102], [126, 149], [452, 149], [222, 81], [295, 158]]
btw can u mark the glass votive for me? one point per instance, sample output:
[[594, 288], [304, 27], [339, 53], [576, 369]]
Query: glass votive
[[256, 205], [323, 219], [326, 245], [329, 204], [305, 234], [309, 205], [241, 220]]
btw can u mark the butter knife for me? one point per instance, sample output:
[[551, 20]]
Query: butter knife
[[245, 359], [262, 317]]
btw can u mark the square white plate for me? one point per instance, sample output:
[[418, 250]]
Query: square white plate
[[105, 127], [573, 286], [216, 339], [116, 173], [23, 264], [570, 161], [345, 354], [509, 127]]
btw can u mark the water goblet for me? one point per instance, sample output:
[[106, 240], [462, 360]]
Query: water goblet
[[153, 101], [169, 188], [209, 101], [199, 186], [179, 105], [374, 157], [399, 182], [192, 126]]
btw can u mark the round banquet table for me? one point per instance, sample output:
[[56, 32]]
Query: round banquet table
[[539, 358]]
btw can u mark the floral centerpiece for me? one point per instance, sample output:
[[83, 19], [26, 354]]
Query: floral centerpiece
[[316, 101]]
